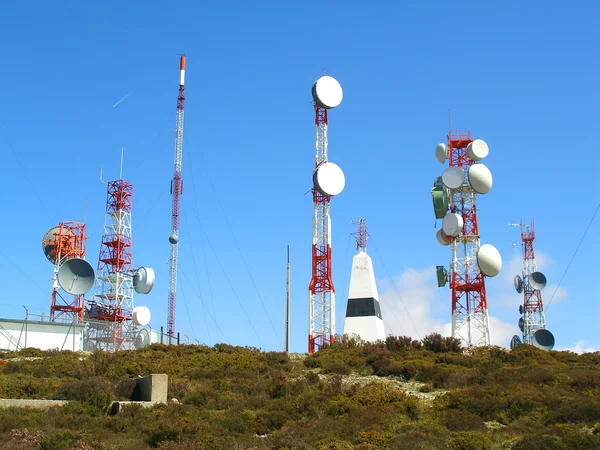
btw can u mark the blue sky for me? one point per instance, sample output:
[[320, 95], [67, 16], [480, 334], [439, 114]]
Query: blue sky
[[523, 77]]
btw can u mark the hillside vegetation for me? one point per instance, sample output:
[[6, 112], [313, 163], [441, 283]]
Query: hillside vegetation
[[401, 394]]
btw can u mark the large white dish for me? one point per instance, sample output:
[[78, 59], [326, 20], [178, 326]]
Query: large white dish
[[489, 260], [442, 238], [141, 315], [441, 153], [327, 92], [453, 177], [452, 224], [537, 281], [76, 276], [143, 280], [477, 150], [480, 178], [329, 179]]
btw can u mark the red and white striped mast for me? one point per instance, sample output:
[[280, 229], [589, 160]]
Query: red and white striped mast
[[328, 180], [176, 191]]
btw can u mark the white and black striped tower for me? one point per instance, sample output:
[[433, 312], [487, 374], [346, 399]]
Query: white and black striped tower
[[363, 313], [328, 180]]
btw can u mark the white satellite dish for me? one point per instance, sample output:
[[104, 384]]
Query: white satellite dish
[[480, 178], [537, 281], [453, 177], [543, 339], [478, 149], [441, 153], [76, 276], [518, 284], [142, 339], [452, 224], [489, 260], [329, 179], [327, 92], [141, 315], [143, 280], [442, 238]]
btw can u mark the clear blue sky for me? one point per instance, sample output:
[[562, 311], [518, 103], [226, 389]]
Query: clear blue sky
[[523, 77]]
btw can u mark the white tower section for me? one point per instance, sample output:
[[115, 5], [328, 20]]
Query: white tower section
[[363, 313]]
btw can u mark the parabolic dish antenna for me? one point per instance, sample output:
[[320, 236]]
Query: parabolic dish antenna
[[452, 224], [441, 153], [453, 177], [141, 315], [142, 339], [489, 260], [518, 284], [543, 339], [76, 276], [143, 280], [537, 281], [521, 309], [329, 179], [480, 178], [516, 340], [327, 92], [478, 149], [49, 241], [521, 324], [173, 239], [442, 238]]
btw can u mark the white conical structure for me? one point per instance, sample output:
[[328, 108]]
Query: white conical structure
[[363, 313]]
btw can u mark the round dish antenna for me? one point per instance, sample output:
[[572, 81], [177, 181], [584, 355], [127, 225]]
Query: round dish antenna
[[453, 177], [442, 238], [521, 309], [143, 280], [142, 339], [537, 281], [76, 276], [521, 324], [489, 260], [327, 92], [480, 178], [441, 153], [452, 224], [515, 341], [329, 179], [478, 149], [518, 284], [543, 339], [173, 239], [141, 315], [49, 242]]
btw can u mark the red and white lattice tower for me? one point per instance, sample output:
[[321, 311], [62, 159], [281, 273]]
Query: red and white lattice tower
[[176, 191], [60, 243], [530, 284], [328, 180], [111, 328], [471, 261]]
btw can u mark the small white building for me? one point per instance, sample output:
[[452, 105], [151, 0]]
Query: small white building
[[19, 334], [363, 313]]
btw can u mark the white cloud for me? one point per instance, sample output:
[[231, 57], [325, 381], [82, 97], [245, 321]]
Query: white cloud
[[413, 305], [580, 347]]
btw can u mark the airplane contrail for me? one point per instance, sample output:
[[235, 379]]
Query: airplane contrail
[[123, 98]]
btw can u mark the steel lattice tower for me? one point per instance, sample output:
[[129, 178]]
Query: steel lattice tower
[[66, 241], [176, 191], [470, 320], [533, 308], [322, 291], [111, 328]]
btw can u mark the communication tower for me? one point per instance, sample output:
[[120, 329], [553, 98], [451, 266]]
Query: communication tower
[[454, 200], [176, 191], [112, 316], [328, 181], [60, 244], [530, 284]]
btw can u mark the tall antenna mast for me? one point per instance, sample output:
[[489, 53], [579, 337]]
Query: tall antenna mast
[[361, 235], [176, 191], [328, 180], [287, 304], [454, 195]]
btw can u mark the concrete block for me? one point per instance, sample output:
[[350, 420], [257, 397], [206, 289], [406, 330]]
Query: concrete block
[[152, 388]]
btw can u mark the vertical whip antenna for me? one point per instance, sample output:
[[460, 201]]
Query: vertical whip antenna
[[176, 192]]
